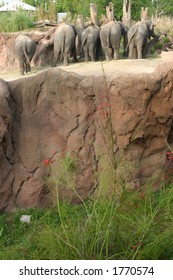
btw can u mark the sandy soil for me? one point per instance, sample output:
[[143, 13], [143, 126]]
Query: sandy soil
[[96, 68]]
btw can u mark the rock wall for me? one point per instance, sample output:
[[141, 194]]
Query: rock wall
[[8, 59], [57, 113]]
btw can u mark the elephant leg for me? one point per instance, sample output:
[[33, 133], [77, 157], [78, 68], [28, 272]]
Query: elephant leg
[[66, 63], [86, 53], [92, 54], [131, 48], [28, 67], [22, 67], [22, 61], [107, 54], [139, 51], [25, 65], [55, 58], [74, 55], [116, 54]]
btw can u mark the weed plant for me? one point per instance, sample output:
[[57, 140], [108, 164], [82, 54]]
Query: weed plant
[[139, 226]]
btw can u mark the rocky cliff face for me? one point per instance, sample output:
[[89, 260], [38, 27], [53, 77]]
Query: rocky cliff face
[[58, 114]]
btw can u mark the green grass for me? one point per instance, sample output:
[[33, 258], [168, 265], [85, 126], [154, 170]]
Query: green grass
[[137, 227], [15, 21]]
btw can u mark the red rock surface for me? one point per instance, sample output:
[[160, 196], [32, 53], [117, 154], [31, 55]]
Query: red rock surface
[[59, 113]]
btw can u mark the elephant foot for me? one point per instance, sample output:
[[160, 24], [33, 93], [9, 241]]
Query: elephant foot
[[75, 59], [53, 64]]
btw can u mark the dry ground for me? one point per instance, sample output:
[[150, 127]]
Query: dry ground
[[96, 68]]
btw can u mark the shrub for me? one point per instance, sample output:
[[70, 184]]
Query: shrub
[[15, 21], [139, 226]]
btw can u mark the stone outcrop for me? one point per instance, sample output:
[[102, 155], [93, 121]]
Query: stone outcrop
[[57, 114]]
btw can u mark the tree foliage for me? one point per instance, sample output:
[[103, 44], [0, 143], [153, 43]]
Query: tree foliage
[[156, 7]]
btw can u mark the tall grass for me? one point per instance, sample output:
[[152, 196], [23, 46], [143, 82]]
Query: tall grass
[[138, 226], [21, 20], [15, 21]]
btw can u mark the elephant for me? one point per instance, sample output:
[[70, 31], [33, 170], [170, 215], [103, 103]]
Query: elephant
[[64, 43], [138, 35], [90, 42], [110, 36], [25, 48]]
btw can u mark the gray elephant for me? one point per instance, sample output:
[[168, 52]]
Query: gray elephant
[[24, 49], [138, 35], [90, 42], [110, 36], [64, 43]]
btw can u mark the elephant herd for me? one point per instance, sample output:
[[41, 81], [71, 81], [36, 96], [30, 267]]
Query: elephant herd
[[74, 40]]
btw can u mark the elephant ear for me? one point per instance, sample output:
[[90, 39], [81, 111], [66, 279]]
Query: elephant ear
[[110, 12], [80, 22], [94, 14]]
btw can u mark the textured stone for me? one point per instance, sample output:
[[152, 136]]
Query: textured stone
[[58, 114]]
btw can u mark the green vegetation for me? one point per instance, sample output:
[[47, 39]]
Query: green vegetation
[[136, 226], [11, 22], [79, 6]]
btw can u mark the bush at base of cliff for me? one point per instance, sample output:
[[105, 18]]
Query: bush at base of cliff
[[138, 227]]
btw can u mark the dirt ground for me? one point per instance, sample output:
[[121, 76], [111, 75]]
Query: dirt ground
[[95, 68]]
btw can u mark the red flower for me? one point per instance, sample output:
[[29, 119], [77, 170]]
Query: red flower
[[133, 247], [170, 157], [46, 162], [168, 153], [104, 104], [142, 195], [98, 108]]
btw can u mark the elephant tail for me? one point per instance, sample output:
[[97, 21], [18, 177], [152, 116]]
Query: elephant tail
[[83, 42], [108, 39], [129, 41]]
